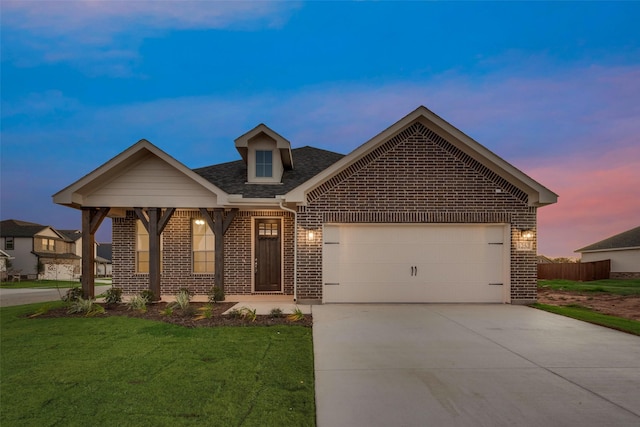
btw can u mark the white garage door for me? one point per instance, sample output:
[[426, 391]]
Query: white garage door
[[415, 263]]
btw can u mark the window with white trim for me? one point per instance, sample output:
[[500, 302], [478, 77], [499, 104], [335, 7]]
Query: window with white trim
[[142, 249], [264, 164], [203, 247]]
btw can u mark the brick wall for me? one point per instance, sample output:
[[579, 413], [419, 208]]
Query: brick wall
[[417, 177], [177, 256]]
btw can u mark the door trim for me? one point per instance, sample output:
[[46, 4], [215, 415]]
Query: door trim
[[253, 255]]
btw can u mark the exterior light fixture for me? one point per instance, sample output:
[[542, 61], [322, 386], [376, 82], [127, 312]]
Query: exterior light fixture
[[199, 221], [526, 234], [310, 235]]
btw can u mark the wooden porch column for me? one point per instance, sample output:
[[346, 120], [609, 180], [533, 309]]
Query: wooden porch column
[[154, 221], [219, 224], [91, 220]]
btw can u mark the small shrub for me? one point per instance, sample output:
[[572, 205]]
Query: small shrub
[[73, 294], [168, 311], [296, 316], [85, 306], [138, 302], [275, 313], [148, 295], [248, 314], [113, 296], [183, 298], [234, 314], [40, 311], [205, 312], [216, 294]]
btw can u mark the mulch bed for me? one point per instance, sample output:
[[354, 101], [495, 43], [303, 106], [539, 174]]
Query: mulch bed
[[155, 311]]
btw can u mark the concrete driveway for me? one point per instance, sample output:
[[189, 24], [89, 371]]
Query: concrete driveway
[[471, 365]]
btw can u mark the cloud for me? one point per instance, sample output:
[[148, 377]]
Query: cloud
[[104, 37]]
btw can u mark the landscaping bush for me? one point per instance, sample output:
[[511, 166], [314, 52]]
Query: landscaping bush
[[216, 294]]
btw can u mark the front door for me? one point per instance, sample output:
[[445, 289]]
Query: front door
[[267, 261]]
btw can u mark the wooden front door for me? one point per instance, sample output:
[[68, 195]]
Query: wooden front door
[[267, 258]]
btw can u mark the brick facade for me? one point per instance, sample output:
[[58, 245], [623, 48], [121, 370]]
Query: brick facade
[[417, 177], [177, 271]]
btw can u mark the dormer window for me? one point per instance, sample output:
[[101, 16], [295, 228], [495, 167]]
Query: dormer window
[[266, 154], [264, 164]]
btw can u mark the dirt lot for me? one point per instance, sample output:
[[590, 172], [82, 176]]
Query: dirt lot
[[627, 307]]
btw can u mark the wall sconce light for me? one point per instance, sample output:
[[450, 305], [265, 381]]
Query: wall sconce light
[[526, 234], [310, 235], [199, 221]]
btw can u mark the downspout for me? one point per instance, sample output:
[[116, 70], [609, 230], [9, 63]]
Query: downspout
[[295, 248]]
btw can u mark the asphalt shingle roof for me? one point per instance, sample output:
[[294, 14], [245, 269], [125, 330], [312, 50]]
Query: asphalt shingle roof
[[626, 239], [17, 228], [232, 177]]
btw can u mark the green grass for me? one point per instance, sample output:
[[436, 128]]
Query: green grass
[[588, 315], [616, 287], [125, 371]]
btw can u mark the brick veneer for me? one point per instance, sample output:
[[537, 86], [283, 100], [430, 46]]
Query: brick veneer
[[177, 269], [417, 177]]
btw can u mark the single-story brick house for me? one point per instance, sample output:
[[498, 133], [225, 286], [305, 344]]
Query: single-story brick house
[[623, 250], [419, 213]]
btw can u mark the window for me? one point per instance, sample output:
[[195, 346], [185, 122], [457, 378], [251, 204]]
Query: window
[[203, 246], [264, 164], [8, 243], [48, 245], [142, 249]]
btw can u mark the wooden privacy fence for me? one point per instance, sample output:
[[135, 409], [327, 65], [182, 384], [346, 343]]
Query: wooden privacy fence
[[583, 271]]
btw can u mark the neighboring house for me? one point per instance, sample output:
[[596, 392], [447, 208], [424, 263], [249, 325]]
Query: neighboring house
[[39, 251], [100, 264], [622, 249], [103, 260], [419, 213], [5, 265]]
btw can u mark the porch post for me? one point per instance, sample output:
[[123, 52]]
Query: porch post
[[154, 222], [91, 220], [219, 224]]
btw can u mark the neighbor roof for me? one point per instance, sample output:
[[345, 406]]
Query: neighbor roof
[[17, 228], [232, 177], [625, 240]]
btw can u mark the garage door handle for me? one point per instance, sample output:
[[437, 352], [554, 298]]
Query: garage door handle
[[414, 270]]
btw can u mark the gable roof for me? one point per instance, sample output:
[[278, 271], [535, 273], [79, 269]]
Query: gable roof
[[232, 177], [105, 251], [71, 235], [76, 194], [537, 194], [282, 144], [625, 240], [17, 228]]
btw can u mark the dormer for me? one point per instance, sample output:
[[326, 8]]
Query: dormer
[[266, 154]]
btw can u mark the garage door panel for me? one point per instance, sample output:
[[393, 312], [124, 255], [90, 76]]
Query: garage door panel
[[415, 263]]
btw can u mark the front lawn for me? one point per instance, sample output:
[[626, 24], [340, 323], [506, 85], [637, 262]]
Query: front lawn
[[587, 315], [127, 371]]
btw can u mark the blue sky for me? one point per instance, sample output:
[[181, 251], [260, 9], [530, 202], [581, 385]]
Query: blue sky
[[551, 87]]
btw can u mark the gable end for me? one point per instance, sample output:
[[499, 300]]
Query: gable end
[[418, 129]]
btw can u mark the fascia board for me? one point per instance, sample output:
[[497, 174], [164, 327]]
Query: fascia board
[[630, 248]]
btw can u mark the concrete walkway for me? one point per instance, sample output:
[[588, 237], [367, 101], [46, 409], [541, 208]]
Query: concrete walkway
[[471, 365]]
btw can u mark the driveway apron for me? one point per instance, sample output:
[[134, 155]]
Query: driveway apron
[[470, 365]]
